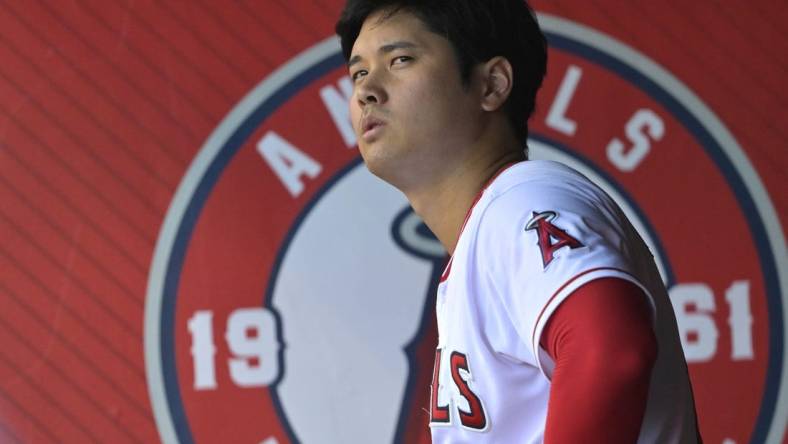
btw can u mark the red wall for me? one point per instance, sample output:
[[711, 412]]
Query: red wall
[[104, 107]]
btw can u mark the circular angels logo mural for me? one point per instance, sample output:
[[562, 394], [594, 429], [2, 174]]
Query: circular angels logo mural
[[291, 294]]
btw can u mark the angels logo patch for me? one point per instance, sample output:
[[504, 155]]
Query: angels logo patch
[[291, 295], [551, 238]]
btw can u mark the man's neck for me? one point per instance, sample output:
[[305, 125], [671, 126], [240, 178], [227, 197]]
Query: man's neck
[[443, 204]]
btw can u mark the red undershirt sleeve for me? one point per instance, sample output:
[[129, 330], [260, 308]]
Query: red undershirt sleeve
[[604, 348]]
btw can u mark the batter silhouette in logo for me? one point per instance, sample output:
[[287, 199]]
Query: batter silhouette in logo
[[390, 301]]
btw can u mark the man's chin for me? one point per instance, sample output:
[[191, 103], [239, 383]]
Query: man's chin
[[379, 163], [375, 166]]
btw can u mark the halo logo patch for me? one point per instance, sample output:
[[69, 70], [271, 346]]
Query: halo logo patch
[[291, 293], [542, 223]]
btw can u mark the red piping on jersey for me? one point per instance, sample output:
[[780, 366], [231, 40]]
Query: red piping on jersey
[[447, 270], [561, 288]]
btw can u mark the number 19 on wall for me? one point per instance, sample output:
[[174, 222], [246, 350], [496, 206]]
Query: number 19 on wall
[[251, 341]]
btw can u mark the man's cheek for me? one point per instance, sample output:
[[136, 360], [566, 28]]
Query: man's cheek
[[355, 114]]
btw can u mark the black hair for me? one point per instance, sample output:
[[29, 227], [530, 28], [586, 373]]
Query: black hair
[[478, 30]]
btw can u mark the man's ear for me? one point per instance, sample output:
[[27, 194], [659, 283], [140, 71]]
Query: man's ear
[[497, 83]]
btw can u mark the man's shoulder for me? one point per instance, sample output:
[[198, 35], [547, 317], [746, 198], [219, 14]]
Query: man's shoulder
[[534, 208], [538, 186]]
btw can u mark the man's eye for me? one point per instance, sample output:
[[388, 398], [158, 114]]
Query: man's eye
[[401, 59], [356, 75]]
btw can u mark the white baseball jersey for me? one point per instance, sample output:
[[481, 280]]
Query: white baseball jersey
[[539, 231]]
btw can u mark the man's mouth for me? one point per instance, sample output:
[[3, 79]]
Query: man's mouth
[[371, 128]]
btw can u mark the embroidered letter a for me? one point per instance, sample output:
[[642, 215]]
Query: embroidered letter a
[[541, 222]]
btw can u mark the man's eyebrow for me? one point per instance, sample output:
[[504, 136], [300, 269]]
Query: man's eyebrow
[[387, 48]]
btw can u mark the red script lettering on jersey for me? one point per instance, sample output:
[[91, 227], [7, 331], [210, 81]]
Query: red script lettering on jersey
[[475, 418]]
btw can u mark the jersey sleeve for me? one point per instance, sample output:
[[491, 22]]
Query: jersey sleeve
[[536, 245]]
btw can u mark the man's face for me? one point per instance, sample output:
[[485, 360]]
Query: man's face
[[412, 115]]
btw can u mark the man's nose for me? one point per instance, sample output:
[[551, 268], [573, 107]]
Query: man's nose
[[371, 91]]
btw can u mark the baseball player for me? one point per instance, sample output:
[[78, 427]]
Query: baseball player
[[554, 325]]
